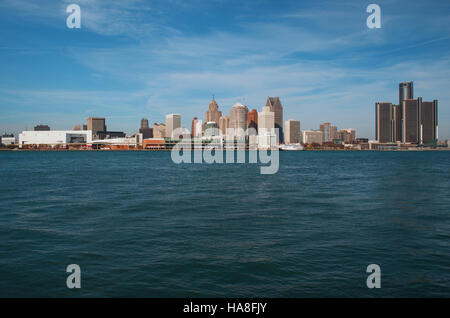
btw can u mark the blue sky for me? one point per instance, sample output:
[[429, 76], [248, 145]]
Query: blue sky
[[134, 59]]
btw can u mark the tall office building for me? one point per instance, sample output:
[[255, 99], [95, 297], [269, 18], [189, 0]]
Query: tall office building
[[267, 136], [173, 121], [411, 111], [405, 91], [145, 130], [238, 118], [275, 106], [329, 132], [198, 128], [252, 119], [292, 131], [193, 126], [144, 123], [383, 122], [96, 124], [429, 121], [397, 125], [213, 113], [224, 123]]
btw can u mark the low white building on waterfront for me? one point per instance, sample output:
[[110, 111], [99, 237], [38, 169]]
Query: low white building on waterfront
[[55, 137]]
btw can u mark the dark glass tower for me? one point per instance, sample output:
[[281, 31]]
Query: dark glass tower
[[405, 91], [384, 122]]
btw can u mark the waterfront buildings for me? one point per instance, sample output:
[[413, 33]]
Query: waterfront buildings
[[213, 113], [238, 119], [7, 139], [348, 136], [312, 137], [173, 121], [329, 132], [275, 106], [193, 126], [55, 137], [292, 131], [410, 122]]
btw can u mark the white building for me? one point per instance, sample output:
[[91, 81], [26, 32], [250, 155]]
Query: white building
[[267, 136], [55, 137], [198, 128], [312, 136], [7, 140], [173, 121]]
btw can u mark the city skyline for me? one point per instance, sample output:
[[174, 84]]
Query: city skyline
[[155, 59]]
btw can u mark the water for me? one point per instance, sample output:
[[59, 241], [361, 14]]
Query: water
[[140, 225]]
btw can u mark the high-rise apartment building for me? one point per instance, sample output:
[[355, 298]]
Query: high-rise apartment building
[[213, 113], [173, 121], [292, 131], [275, 106], [384, 122]]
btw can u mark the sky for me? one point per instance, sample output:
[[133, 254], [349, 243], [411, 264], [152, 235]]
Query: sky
[[132, 59]]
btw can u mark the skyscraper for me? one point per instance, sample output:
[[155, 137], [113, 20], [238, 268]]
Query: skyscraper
[[224, 123], [266, 128], [275, 106], [252, 119], [144, 123], [405, 91], [97, 125], [213, 113], [194, 122], [238, 118], [292, 131], [383, 122], [429, 121], [173, 121], [411, 111], [397, 126]]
